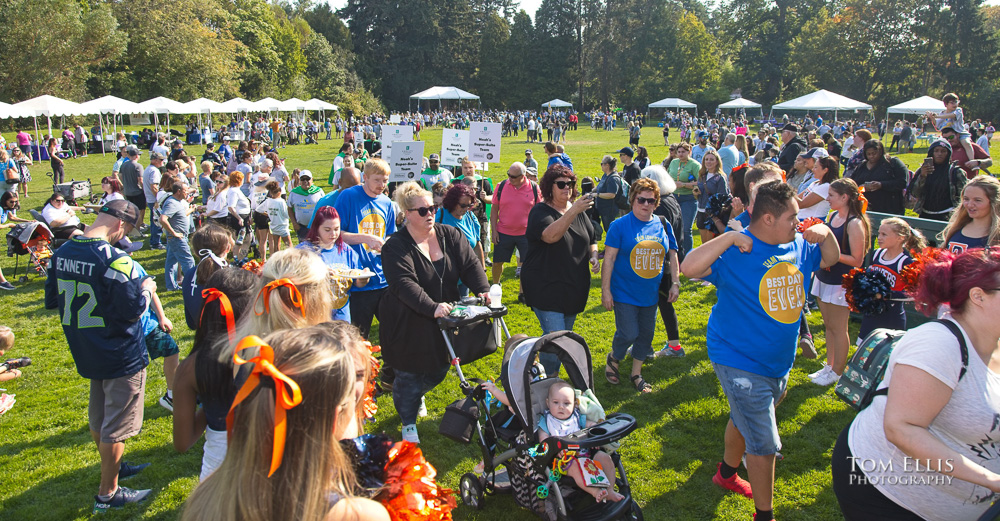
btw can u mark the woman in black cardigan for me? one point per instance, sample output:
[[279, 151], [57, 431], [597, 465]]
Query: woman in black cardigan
[[423, 263], [883, 177]]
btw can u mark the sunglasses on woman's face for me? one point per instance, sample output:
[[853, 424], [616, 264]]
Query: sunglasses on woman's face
[[424, 210], [646, 200], [562, 185], [466, 206]]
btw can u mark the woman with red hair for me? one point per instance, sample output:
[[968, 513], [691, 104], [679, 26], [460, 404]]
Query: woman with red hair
[[326, 240], [923, 448]]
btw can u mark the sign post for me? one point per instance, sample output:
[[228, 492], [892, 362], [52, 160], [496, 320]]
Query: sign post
[[484, 141], [406, 161]]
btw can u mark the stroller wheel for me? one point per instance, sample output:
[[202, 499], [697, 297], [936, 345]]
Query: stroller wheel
[[634, 514], [22, 279], [472, 491]]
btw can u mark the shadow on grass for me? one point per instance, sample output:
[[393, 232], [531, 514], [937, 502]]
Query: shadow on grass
[[66, 438], [70, 495]]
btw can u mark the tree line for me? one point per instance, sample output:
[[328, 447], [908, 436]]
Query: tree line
[[373, 54]]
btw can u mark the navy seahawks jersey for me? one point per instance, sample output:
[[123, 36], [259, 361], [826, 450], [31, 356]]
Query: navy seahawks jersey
[[98, 292]]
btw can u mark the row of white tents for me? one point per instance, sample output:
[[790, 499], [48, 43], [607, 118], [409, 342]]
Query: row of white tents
[[820, 100], [113, 107]]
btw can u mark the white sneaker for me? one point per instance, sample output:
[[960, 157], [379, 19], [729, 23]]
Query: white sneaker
[[410, 433], [422, 411], [826, 369], [826, 379]]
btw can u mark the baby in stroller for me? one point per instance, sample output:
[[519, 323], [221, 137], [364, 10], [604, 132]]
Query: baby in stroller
[[563, 418]]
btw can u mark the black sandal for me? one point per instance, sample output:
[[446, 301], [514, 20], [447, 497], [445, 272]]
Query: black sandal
[[611, 370], [641, 385]]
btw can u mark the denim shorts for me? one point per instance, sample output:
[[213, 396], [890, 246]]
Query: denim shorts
[[752, 398]]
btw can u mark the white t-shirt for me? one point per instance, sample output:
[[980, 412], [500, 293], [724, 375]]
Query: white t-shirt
[[161, 149], [236, 199], [113, 196], [966, 425], [820, 209], [150, 176], [217, 205], [257, 199], [50, 213], [277, 210]]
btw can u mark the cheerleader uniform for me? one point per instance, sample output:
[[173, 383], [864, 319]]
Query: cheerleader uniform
[[894, 316]]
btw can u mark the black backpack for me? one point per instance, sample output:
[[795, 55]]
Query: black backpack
[[858, 386]]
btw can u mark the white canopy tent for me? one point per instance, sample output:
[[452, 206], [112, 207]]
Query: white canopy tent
[[48, 106], [113, 107], [161, 105], [742, 104], [673, 103], [320, 106], [443, 93], [822, 100], [916, 106], [204, 106], [557, 104], [267, 105], [236, 105], [8, 111]]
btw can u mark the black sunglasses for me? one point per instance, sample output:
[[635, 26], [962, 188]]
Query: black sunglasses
[[466, 206], [424, 210], [59, 201], [646, 200], [562, 185]]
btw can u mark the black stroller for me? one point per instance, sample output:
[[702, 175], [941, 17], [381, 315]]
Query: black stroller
[[510, 440]]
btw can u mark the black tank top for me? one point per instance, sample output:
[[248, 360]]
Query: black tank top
[[835, 274]]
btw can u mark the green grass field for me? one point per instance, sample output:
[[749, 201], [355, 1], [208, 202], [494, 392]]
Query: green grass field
[[50, 467]]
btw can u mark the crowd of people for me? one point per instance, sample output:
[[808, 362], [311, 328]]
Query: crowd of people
[[280, 357]]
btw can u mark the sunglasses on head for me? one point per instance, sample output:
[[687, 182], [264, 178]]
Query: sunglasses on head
[[562, 185], [424, 210], [646, 200]]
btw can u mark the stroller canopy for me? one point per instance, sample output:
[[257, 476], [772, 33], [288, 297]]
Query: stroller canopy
[[22, 235], [572, 351]]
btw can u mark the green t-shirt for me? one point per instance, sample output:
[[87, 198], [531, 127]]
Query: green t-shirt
[[684, 174]]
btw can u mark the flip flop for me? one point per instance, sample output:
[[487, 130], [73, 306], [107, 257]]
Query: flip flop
[[641, 385], [611, 370]]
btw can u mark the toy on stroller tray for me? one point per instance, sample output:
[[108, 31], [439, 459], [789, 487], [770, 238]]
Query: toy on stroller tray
[[32, 239], [509, 439]]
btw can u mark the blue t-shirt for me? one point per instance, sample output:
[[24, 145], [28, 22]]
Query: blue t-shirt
[[755, 322], [698, 153], [468, 225], [642, 250], [561, 159], [361, 213], [329, 199], [98, 292], [743, 218], [148, 319], [730, 158], [338, 257]]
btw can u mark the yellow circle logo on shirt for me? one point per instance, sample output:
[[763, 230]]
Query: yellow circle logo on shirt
[[374, 224], [781, 293], [647, 259]]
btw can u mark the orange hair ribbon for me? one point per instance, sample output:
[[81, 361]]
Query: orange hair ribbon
[[863, 199], [293, 294], [225, 307], [286, 392]]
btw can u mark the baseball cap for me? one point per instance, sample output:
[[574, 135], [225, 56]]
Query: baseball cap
[[262, 179], [791, 127], [814, 153], [132, 150], [153, 156], [122, 209], [527, 152], [305, 173], [225, 138], [434, 157], [627, 151]]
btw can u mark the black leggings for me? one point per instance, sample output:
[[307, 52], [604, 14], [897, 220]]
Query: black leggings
[[860, 500], [667, 312]]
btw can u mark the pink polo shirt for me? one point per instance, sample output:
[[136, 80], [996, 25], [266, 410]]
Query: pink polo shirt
[[513, 207]]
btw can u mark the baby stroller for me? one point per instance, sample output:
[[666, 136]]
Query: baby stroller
[[511, 440], [73, 190], [32, 239]]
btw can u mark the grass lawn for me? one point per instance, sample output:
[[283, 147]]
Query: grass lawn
[[51, 468]]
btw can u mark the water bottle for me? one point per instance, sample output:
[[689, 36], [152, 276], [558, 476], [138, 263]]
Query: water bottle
[[496, 296]]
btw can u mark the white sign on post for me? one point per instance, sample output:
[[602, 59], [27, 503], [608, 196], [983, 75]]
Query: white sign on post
[[406, 161], [393, 133], [454, 146], [484, 141]]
